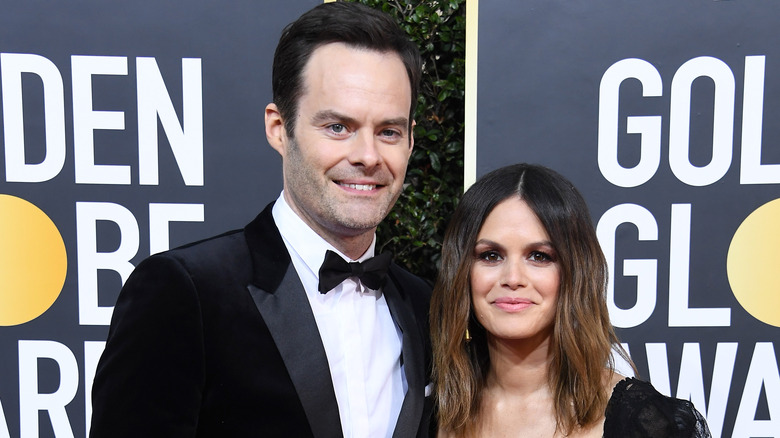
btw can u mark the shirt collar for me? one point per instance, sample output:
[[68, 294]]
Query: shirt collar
[[309, 245]]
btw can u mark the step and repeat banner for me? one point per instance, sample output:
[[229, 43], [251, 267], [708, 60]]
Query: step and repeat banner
[[665, 115], [126, 128], [131, 128]]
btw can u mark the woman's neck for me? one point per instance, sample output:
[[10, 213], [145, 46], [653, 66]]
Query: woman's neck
[[519, 367], [517, 400]]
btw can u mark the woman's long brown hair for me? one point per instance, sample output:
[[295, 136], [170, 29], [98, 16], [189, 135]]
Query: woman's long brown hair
[[583, 337]]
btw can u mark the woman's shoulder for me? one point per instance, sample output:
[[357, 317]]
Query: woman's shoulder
[[637, 410]]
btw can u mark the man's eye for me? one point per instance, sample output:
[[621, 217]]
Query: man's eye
[[337, 128], [390, 133]]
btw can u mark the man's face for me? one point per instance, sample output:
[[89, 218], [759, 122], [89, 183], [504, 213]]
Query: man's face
[[345, 167]]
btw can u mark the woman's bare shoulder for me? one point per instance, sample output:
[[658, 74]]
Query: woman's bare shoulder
[[611, 379]]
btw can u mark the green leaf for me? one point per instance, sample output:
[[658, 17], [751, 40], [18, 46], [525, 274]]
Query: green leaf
[[435, 163]]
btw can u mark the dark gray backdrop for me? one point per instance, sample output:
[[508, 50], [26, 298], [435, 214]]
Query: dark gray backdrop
[[540, 67], [540, 70], [234, 42]]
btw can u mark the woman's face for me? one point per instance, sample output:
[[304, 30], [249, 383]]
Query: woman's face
[[515, 275]]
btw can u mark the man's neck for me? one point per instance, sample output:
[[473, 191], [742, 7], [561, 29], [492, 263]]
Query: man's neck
[[351, 243], [352, 246]]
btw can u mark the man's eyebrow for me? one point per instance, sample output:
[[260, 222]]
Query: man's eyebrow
[[400, 121], [331, 115]]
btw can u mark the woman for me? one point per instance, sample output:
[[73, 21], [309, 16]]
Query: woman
[[521, 336]]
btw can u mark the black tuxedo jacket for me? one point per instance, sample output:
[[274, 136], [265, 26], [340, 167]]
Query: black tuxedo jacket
[[217, 339]]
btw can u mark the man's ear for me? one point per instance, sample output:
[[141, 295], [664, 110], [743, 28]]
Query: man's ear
[[274, 129], [411, 137]]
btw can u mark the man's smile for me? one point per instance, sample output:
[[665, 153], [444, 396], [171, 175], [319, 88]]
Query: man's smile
[[361, 187]]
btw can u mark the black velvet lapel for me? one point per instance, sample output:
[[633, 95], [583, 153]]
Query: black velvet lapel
[[413, 360], [279, 296], [269, 255]]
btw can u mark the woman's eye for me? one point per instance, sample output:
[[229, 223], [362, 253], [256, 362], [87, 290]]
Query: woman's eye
[[490, 256], [540, 257]]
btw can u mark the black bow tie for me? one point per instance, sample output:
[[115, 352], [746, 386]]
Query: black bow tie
[[335, 269]]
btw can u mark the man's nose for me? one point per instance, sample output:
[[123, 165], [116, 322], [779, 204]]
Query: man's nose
[[365, 150]]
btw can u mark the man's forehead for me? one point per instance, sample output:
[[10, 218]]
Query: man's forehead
[[330, 54], [336, 70]]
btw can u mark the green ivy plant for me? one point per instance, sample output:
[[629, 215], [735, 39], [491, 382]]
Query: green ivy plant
[[414, 229]]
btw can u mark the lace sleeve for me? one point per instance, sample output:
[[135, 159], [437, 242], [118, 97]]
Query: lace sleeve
[[637, 410]]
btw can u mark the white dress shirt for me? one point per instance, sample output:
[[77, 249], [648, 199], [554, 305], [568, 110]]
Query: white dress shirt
[[361, 340]]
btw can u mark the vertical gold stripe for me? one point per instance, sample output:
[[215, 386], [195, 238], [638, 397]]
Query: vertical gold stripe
[[470, 130]]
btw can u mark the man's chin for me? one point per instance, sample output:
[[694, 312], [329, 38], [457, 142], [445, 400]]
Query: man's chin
[[360, 220], [352, 226]]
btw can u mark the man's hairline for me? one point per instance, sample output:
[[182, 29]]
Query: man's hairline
[[304, 86]]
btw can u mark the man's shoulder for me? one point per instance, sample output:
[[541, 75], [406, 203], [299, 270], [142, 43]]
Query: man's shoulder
[[228, 244], [405, 277], [416, 287], [214, 253], [223, 240], [233, 252]]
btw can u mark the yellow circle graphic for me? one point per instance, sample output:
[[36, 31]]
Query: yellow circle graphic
[[33, 262], [753, 263]]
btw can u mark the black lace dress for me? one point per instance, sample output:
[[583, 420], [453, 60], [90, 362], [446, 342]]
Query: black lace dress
[[637, 410]]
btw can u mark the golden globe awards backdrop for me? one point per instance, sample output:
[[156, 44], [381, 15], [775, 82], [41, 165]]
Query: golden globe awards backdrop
[[127, 128], [665, 115], [131, 128]]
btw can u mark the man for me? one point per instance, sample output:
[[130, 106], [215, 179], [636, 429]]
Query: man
[[233, 336]]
